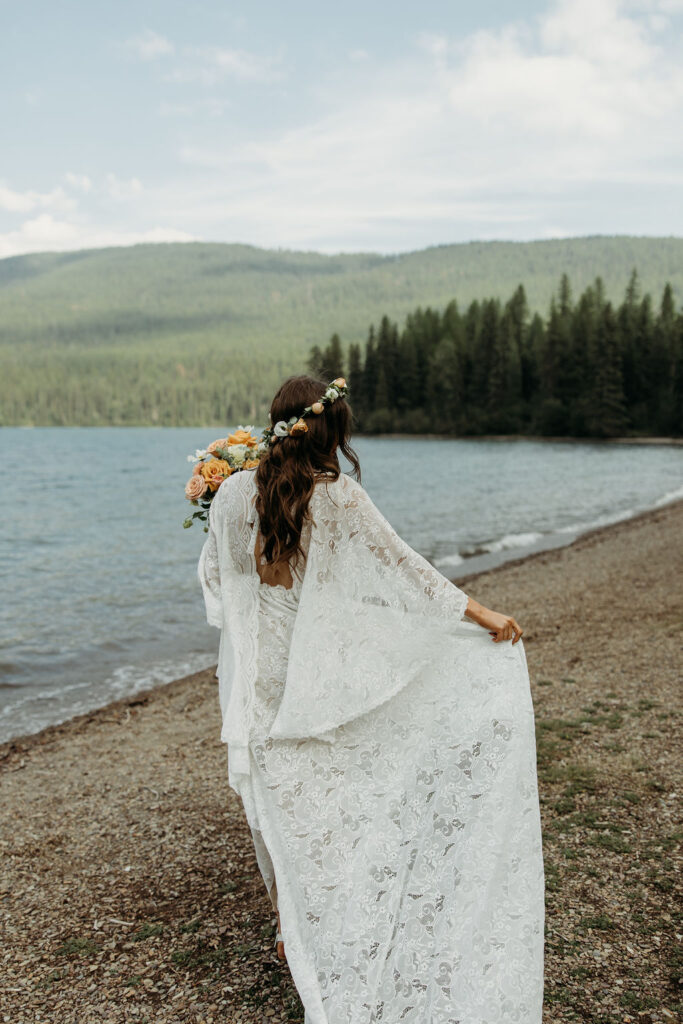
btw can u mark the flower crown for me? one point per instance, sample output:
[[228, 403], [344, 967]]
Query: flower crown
[[297, 425]]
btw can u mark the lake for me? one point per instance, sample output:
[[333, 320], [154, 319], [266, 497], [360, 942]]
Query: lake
[[100, 594]]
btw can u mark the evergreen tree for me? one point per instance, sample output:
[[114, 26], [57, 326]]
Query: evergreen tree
[[629, 341], [333, 360], [407, 388], [608, 408], [485, 352], [355, 380], [444, 387], [316, 362], [370, 372]]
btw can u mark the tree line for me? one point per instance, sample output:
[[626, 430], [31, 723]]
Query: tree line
[[588, 369]]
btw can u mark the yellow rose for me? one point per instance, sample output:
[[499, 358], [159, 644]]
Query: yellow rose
[[250, 463], [243, 437], [317, 408], [215, 472]]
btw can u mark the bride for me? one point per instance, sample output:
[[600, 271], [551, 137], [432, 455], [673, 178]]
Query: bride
[[380, 735]]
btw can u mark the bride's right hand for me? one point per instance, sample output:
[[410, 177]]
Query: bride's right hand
[[501, 627]]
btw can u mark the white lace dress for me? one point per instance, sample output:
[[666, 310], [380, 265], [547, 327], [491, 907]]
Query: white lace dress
[[402, 846]]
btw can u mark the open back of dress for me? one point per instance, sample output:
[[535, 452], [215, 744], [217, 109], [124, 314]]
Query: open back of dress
[[404, 839]]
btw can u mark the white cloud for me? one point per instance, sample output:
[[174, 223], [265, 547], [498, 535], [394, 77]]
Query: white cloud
[[210, 65], [47, 234], [518, 129], [122, 188], [81, 182], [24, 202], [149, 45]]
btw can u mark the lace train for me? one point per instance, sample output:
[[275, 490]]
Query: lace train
[[407, 851]]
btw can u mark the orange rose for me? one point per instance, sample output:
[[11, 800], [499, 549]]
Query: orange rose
[[250, 463], [317, 408], [215, 472], [339, 382], [242, 437], [300, 427], [195, 487], [197, 468]]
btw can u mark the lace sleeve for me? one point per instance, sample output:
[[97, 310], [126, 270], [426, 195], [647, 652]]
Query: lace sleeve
[[208, 570], [366, 520]]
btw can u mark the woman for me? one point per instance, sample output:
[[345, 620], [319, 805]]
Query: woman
[[382, 745]]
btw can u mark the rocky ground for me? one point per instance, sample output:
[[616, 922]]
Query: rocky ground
[[129, 891]]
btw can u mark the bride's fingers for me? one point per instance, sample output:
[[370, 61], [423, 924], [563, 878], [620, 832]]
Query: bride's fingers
[[518, 632]]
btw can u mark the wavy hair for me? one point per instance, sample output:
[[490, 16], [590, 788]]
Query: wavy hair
[[287, 473]]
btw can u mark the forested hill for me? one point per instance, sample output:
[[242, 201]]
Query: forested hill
[[199, 333]]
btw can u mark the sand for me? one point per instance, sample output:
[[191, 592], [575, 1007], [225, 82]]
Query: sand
[[128, 885]]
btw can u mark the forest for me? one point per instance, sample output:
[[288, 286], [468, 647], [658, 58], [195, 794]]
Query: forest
[[201, 334], [588, 369]]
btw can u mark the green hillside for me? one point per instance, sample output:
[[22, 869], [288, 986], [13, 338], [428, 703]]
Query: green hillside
[[201, 333]]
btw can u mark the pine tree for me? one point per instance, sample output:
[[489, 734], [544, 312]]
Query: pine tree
[[407, 382], [355, 380], [316, 362], [484, 354], [629, 342], [444, 386], [608, 409], [370, 372], [333, 359], [662, 364]]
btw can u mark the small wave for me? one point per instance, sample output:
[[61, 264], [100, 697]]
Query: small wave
[[512, 540], [508, 542], [669, 496], [130, 679], [449, 560], [593, 524]]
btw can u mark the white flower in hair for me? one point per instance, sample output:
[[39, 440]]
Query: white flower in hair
[[281, 429]]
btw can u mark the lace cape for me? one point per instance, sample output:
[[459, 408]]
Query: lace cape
[[372, 614]]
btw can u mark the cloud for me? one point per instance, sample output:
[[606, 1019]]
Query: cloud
[[149, 45], [522, 129], [24, 202], [81, 182], [121, 188], [47, 234], [210, 65]]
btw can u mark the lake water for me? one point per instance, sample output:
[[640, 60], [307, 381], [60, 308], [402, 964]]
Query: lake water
[[100, 597]]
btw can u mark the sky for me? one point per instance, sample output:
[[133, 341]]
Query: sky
[[383, 126]]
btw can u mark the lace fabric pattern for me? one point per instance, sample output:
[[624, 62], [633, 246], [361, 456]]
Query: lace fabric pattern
[[391, 784]]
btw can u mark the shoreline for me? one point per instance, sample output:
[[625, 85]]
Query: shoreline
[[26, 741], [129, 885], [543, 439], [561, 438]]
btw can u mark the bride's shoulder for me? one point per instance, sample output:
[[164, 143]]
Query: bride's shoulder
[[339, 491], [237, 486]]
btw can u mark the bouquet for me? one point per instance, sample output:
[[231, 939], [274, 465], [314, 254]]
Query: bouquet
[[213, 465]]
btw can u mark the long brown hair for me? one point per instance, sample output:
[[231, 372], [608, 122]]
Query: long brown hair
[[286, 474]]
